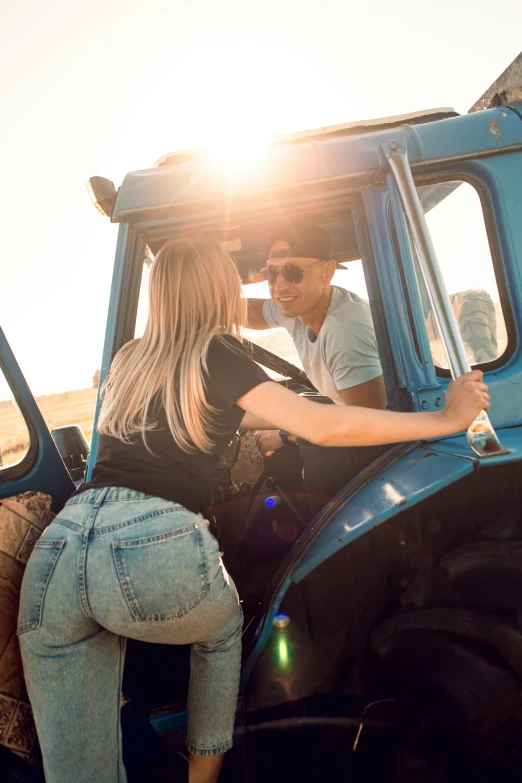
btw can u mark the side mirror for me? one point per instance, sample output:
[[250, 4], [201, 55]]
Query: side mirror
[[103, 194], [73, 449]]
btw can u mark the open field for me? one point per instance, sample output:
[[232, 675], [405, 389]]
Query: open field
[[73, 407]]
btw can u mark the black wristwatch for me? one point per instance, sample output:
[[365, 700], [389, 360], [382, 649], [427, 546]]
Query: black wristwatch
[[283, 434]]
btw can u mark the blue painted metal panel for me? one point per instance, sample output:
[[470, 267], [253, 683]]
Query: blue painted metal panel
[[458, 447], [47, 473], [312, 161], [418, 475], [421, 472], [491, 130]]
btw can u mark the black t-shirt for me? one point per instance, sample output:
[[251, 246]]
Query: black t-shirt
[[168, 472]]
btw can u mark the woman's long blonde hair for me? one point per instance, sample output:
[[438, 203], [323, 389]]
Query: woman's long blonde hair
[[194, 294]]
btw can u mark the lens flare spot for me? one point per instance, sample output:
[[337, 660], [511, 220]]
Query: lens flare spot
[[281, 620], [282, 652], [271, 502]]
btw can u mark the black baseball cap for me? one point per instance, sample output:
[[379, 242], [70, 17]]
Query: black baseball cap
[[306, 240]]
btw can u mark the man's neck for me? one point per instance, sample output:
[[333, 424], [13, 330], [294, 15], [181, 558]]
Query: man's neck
[[314, 318]]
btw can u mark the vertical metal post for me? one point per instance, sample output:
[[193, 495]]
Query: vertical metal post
[[123, 302], [481, 435], [412, 285]]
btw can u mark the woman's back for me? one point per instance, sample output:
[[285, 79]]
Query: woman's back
[[161, 467]]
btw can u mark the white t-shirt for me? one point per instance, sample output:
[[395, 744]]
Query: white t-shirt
[[344, 354]]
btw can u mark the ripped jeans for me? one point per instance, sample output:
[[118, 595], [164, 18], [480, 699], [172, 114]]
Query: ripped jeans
[[118, 564]]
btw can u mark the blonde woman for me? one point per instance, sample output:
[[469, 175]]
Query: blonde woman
[[130, 555]]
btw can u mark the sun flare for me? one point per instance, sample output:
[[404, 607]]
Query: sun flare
[[238, 155]]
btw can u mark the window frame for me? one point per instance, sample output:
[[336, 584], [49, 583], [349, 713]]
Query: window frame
[[20, 469], [496, 258]]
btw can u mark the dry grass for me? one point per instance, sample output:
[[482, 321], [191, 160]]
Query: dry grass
[[74, 407]]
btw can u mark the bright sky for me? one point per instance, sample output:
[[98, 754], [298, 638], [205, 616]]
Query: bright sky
[[108, 86]]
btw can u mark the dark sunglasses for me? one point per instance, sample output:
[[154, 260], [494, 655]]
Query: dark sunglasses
[[291, 272]]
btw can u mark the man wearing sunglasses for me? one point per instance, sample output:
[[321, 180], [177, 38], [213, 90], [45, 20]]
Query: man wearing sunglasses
[[333, 333], [332, 328]]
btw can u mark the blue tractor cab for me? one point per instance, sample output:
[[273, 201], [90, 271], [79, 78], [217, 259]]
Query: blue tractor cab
[[387, 639]]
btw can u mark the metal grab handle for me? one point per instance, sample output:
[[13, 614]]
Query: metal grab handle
[[480, 435]]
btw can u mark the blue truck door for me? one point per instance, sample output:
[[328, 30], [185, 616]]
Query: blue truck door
[[29, 460]]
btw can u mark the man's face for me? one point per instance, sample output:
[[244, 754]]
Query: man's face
[[298, 299]]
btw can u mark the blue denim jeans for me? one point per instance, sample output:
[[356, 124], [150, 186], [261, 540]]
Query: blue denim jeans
[[117, 564]]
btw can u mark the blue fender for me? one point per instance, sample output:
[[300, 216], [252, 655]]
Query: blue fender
[[400, 479]]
